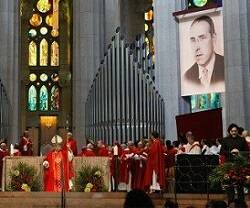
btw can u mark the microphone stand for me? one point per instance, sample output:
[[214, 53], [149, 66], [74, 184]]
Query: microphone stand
[[63, 198]]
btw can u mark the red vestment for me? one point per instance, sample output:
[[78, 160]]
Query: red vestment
[[3, 153], [170, 161], [71, 143], [125, 165], [88, 153], [139, 168], [59, 172], [103, 152], [155, 163], [26, 146]]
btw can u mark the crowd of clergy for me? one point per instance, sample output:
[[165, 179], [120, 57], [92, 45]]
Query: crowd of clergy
[[144, 164]]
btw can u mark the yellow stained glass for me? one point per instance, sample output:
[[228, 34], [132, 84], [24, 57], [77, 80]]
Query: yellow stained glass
[[146, 27], [49, 20], [54, 33], [148, 16], [32, 54], [43, 6], [36, 20], [44, 53], [54, 54], [32, 77]]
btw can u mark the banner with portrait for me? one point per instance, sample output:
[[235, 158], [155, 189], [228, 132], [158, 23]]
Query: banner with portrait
[[201, 52]]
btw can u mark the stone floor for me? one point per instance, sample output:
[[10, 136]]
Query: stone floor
[[94, 200]]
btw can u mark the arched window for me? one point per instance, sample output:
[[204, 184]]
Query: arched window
[[45, 28], [54, 54], [44, 53], [32, 54], [32, 98], [43, 95], [55, 98]]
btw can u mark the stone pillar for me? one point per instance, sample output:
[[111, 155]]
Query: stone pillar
[[237, 74], [111, 19], [93, 23], [9, 59], [167, 69], [132, 17]]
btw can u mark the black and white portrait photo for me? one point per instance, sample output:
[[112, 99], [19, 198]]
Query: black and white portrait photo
[[201, 54]]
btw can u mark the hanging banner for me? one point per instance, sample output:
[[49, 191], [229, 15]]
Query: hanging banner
[[201, 52]]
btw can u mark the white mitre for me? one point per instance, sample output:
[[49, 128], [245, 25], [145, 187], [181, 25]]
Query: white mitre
[[56, 139]]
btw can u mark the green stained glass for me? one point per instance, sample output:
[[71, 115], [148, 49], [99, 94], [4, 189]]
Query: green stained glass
[[199, 3], [43, 77], [43, 104], [55, 98], [32, 98], [205, 102], [32, 33]]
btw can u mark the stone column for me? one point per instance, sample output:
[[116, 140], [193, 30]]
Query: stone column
[[111, 19], [9, 59], [167, 69], [237, 74]]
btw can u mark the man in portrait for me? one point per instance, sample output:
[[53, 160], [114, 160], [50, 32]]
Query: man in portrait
[[207, 73]]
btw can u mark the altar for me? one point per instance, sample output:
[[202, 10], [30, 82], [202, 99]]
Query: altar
[[37, 162]]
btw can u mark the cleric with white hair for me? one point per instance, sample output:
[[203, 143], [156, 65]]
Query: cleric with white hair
[[58, 167]]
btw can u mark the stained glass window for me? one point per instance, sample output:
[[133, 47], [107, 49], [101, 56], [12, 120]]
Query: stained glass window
[[36, 20], [43, 77], [32, 98], [49, 20], [42, 32], [32, 54], [55, 98], [43, 95], [44, 53], [54, 54], [205, 102], [33, 77], [32, 33], [43, 6]]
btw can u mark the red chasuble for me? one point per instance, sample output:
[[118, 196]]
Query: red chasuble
[[155, 163], [89, 153], [3, 153], [71, 143], [26, 146], [59, 172], [103, 152]]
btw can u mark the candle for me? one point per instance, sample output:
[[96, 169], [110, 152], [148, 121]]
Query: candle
[[11, 149], [115, 150]]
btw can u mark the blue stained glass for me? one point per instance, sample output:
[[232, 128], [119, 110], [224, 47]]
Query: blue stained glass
[[205, 102], [32, 98], [43, 104]]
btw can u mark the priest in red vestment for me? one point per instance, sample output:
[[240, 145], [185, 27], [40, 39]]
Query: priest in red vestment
[[155, 172], [139, 166], [88, 152], [26, 144], [102, 149], [58, 167], [71, 143], [3, 152]]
